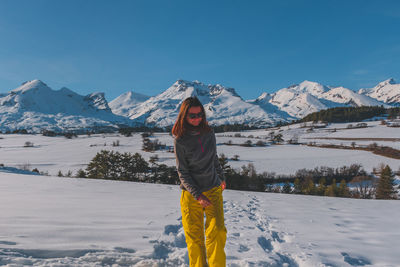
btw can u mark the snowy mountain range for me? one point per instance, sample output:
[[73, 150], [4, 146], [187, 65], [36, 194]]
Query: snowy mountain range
[[223, 106], [307, 97], [35, 106]]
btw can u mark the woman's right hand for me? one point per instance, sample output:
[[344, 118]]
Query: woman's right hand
[[204, 201]]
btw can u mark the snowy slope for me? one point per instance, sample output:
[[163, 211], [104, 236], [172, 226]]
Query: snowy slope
[[35, 106], [264, 102], [50, 221], [223, 106], [302, 99], [387, 91], [127, 101], [347, 96]]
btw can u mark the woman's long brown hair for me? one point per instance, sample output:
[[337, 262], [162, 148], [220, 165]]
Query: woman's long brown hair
[[181, 126]]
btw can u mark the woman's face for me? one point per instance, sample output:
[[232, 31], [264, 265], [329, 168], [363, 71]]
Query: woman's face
[[194, 116]]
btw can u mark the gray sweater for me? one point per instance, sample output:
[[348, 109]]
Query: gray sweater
[[197, 162]]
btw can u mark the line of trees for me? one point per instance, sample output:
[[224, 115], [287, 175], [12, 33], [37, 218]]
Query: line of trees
[[128, 167], [322, 181]]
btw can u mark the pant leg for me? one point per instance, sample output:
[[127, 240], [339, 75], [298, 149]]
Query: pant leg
[[193, 225], [215, 229]]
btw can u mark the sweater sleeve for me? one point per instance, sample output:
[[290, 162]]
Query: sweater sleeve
[[182, 167], [217, 165]]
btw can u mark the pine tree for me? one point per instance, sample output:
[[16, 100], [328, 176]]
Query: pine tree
[[308, 186], [297, 186], [385, 188], [331, 190], [343, 190], [81, 174], [103, 165], [321, 187]]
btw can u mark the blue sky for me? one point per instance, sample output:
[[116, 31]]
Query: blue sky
[[145, 46]]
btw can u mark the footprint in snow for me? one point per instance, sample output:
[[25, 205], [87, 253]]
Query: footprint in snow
[[355, 261], [265, 244]]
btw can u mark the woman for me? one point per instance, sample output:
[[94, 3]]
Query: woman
[[202, 181]]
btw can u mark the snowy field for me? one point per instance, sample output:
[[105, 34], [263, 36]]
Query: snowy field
[[51, 154], [52, 221]]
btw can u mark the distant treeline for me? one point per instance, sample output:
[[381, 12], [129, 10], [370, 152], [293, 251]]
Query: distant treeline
[[233, 128], [351, 114], [127, 131]]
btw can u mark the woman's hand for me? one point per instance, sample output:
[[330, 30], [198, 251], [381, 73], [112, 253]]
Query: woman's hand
[[223, 185], [204, 201]]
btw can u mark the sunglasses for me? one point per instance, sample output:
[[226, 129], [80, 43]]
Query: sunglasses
[[195, 115]]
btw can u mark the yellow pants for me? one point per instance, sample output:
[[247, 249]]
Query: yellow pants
[[215, 231]]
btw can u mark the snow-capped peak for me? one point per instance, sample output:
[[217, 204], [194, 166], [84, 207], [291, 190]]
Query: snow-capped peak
[[387, 91], [386, 82], [312, 88], [30, 85], [264, 97]]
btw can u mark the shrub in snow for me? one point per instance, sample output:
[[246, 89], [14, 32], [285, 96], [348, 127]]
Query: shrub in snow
[[28, 144], [364, 187], [115, 143], [235, 157], [247, 143], [260, 143]]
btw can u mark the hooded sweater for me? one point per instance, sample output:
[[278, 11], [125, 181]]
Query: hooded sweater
[[197, 162]]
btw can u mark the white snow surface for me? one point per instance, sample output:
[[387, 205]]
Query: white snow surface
[[51, 221], [51, 154]]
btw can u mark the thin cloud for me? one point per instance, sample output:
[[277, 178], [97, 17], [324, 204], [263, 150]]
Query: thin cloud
[[361, 72]]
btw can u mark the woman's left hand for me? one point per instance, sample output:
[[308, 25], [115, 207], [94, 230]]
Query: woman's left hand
[[223, 185]]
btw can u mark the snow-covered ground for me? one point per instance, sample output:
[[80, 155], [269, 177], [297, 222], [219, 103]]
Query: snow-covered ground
[[51, 154], [52, 221]]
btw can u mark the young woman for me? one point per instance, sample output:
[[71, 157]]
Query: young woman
[[202, 180]]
